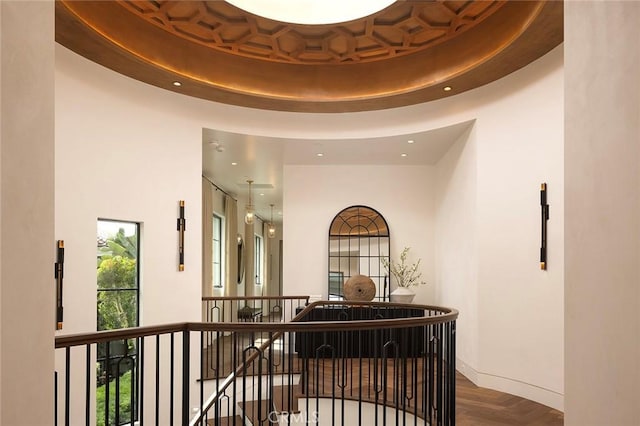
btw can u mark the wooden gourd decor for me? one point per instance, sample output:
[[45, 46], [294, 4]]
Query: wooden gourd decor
[[359, 288]]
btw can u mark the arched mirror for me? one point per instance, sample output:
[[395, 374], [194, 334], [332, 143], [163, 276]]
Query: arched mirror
[[240, 259], [358, 240]]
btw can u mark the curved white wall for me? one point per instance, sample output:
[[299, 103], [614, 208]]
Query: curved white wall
[[510, 330], [513, 339]]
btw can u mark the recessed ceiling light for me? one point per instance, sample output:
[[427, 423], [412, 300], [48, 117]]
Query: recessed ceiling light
[[403, 154], [320, 154], [410, 141], [234, 164], [262, 195], [177, 83], [447, 88]]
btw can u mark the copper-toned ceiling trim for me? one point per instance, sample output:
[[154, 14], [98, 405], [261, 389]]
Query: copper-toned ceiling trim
[[511, 37]]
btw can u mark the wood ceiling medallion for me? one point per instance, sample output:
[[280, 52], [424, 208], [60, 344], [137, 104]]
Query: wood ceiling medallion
[[403, 29], [402, 55]]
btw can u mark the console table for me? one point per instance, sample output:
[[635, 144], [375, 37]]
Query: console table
[[360, 344]]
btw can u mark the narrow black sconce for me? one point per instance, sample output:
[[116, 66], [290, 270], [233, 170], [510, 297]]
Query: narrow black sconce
[[59, 269], [182, 225], [544, 208]]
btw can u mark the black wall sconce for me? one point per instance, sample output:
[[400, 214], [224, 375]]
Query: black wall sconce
[[59, 272], [544, 209], [182, 226]]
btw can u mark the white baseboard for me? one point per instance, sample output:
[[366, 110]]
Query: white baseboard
[[503, 384]]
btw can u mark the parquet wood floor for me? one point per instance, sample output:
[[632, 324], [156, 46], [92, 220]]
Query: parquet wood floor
[[477, 406], [485, 407]]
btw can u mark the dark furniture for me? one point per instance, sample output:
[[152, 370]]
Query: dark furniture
[[402, 342]]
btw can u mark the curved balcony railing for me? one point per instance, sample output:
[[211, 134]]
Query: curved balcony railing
[[333, 363]]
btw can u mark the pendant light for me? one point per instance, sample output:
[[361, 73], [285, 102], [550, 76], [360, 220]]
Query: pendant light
[[271, 228], [250, 216]]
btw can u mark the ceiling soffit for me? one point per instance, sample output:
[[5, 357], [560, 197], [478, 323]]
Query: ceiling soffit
[[402, 55]]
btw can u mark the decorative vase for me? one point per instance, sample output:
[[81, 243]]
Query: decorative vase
[[402, 295]]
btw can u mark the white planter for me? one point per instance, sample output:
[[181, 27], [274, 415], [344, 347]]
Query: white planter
[[402, 295]]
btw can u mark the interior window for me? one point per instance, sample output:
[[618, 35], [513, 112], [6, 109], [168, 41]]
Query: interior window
[[217, 252], [259, 259]]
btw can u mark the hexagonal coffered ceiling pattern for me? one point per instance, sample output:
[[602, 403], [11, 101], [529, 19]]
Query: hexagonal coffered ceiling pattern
[[402, 55], [399, 30]]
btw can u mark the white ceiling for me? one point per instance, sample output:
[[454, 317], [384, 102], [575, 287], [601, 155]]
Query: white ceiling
[[261, 159]]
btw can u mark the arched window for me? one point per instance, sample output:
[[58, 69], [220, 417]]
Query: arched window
[[358, 239]]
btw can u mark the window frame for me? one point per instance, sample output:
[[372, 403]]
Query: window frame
[[111, 354], [259, 259], [221, 258], [138, 228]]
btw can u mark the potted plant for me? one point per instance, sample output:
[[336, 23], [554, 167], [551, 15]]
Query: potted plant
[[406, 276]]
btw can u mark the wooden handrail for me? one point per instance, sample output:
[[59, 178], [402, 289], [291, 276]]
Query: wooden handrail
[[255, 298], [432, 315], [78, 339], [444, 315]]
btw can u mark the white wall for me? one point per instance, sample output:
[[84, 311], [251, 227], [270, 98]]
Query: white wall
[[520, 145], [27, 246], [119, 157], [602, 116], [313, 195], [456, 253], [510, 332]]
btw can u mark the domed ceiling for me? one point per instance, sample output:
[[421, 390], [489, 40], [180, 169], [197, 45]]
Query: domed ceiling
[[410, 52]]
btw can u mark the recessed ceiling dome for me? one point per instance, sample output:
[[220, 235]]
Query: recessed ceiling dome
[[404, 54], [312, 12]]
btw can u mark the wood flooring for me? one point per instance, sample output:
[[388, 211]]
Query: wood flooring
[[485, 407], [481, 407]]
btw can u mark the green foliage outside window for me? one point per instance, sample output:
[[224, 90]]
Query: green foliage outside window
[[118, 245], [117, 306], [117, 279], [117, 282]]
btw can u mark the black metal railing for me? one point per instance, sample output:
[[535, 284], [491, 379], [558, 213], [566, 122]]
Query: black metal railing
[[334, 363], [219, 350], [251, 308]]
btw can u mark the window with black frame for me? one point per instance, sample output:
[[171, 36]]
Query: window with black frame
[[259, 259], [358, 240], [118, 306], [217, 251]]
